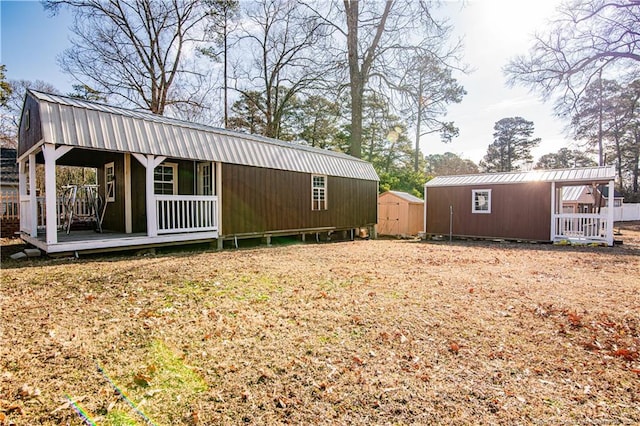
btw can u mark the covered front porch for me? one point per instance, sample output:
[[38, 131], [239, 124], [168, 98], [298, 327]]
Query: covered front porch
[[593, 227], [137, 201]]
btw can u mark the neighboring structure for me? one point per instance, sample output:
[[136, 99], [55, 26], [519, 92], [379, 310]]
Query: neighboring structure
[[586, 199], [580, 199], [164, 181], [519, 206], [9, 200], [400, 214], [618, 198]]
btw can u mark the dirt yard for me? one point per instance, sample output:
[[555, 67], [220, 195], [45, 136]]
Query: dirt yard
[[354, 333]]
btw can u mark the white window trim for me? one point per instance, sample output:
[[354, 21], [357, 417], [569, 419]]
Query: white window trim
[[174, 166], [325, 199], [110, 193], [473, 201]]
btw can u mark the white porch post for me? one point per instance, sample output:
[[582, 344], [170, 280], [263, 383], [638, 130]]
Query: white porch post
[[610, 214], [150, 162], [553, 211], [218, 189], [33, 200], [22, 189], [22, 178], [424, 213], [51, 154], [128, 223]]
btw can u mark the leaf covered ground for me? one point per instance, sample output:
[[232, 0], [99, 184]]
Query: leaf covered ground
[[363, 332]]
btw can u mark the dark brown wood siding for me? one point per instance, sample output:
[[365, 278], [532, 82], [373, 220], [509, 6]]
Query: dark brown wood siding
[[186, 176], [138, 197], [518, 211], [256, 200], [114, 214], [29, 135]]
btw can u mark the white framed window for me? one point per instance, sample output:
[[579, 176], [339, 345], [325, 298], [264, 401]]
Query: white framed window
[[481, 201], [165, 179], [110, 182], [205, 179], [318, 192]]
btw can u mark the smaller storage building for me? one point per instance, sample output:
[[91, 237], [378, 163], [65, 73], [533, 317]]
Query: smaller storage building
[[400, 214], [517, 206]]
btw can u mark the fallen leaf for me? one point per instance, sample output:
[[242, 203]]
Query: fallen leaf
[[574, 319], [142, 379], [625, 353]]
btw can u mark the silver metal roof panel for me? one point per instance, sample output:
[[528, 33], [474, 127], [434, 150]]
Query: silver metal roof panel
[[85, 124], [577, 175], [407, 197]]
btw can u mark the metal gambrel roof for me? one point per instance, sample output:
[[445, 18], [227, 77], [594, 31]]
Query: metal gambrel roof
[[407, 197], [577, 175], [75, 122]]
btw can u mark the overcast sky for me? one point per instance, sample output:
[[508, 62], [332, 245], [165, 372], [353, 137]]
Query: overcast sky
[[493, 32]]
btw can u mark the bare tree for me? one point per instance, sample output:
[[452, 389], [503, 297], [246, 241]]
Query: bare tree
[[137, 50], [370, 38], [224, 15], [5, 87], [426, 88], [11, 110], [586, 38], [283, 41]]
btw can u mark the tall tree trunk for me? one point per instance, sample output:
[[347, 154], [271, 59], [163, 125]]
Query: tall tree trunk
[[416, 155], [356, 82], [360, 73], [226, 76], [635, 166], [600, 148]]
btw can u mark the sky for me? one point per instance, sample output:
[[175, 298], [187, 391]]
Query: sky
[[493, 31]]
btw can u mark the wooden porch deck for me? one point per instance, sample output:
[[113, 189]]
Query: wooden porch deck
[[89, 241]]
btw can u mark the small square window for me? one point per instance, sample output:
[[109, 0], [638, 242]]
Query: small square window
[[481, 201]]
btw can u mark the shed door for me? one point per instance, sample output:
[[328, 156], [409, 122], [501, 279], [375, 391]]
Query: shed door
[[389, 218]]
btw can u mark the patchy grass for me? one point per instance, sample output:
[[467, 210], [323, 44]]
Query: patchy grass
[[366, 332]]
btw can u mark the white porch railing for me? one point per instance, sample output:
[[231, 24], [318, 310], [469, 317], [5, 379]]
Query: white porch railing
[[10, 206], [80, 209], [581, 226], [25, 214], [186, 213]]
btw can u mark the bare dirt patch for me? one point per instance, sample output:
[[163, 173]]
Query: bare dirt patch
[[365, 332]]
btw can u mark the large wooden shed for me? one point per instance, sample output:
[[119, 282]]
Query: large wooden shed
[[165, 181], [519, 206], [400, 214]]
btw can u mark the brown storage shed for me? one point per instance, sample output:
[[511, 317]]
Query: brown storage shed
[[516, 206], [164, 181], [400, 214]]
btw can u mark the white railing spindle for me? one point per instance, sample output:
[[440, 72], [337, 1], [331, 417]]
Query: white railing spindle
[[186, 213]]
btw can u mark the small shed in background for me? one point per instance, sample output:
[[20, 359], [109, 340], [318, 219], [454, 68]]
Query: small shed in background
[[518, 205], [400, 214]]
